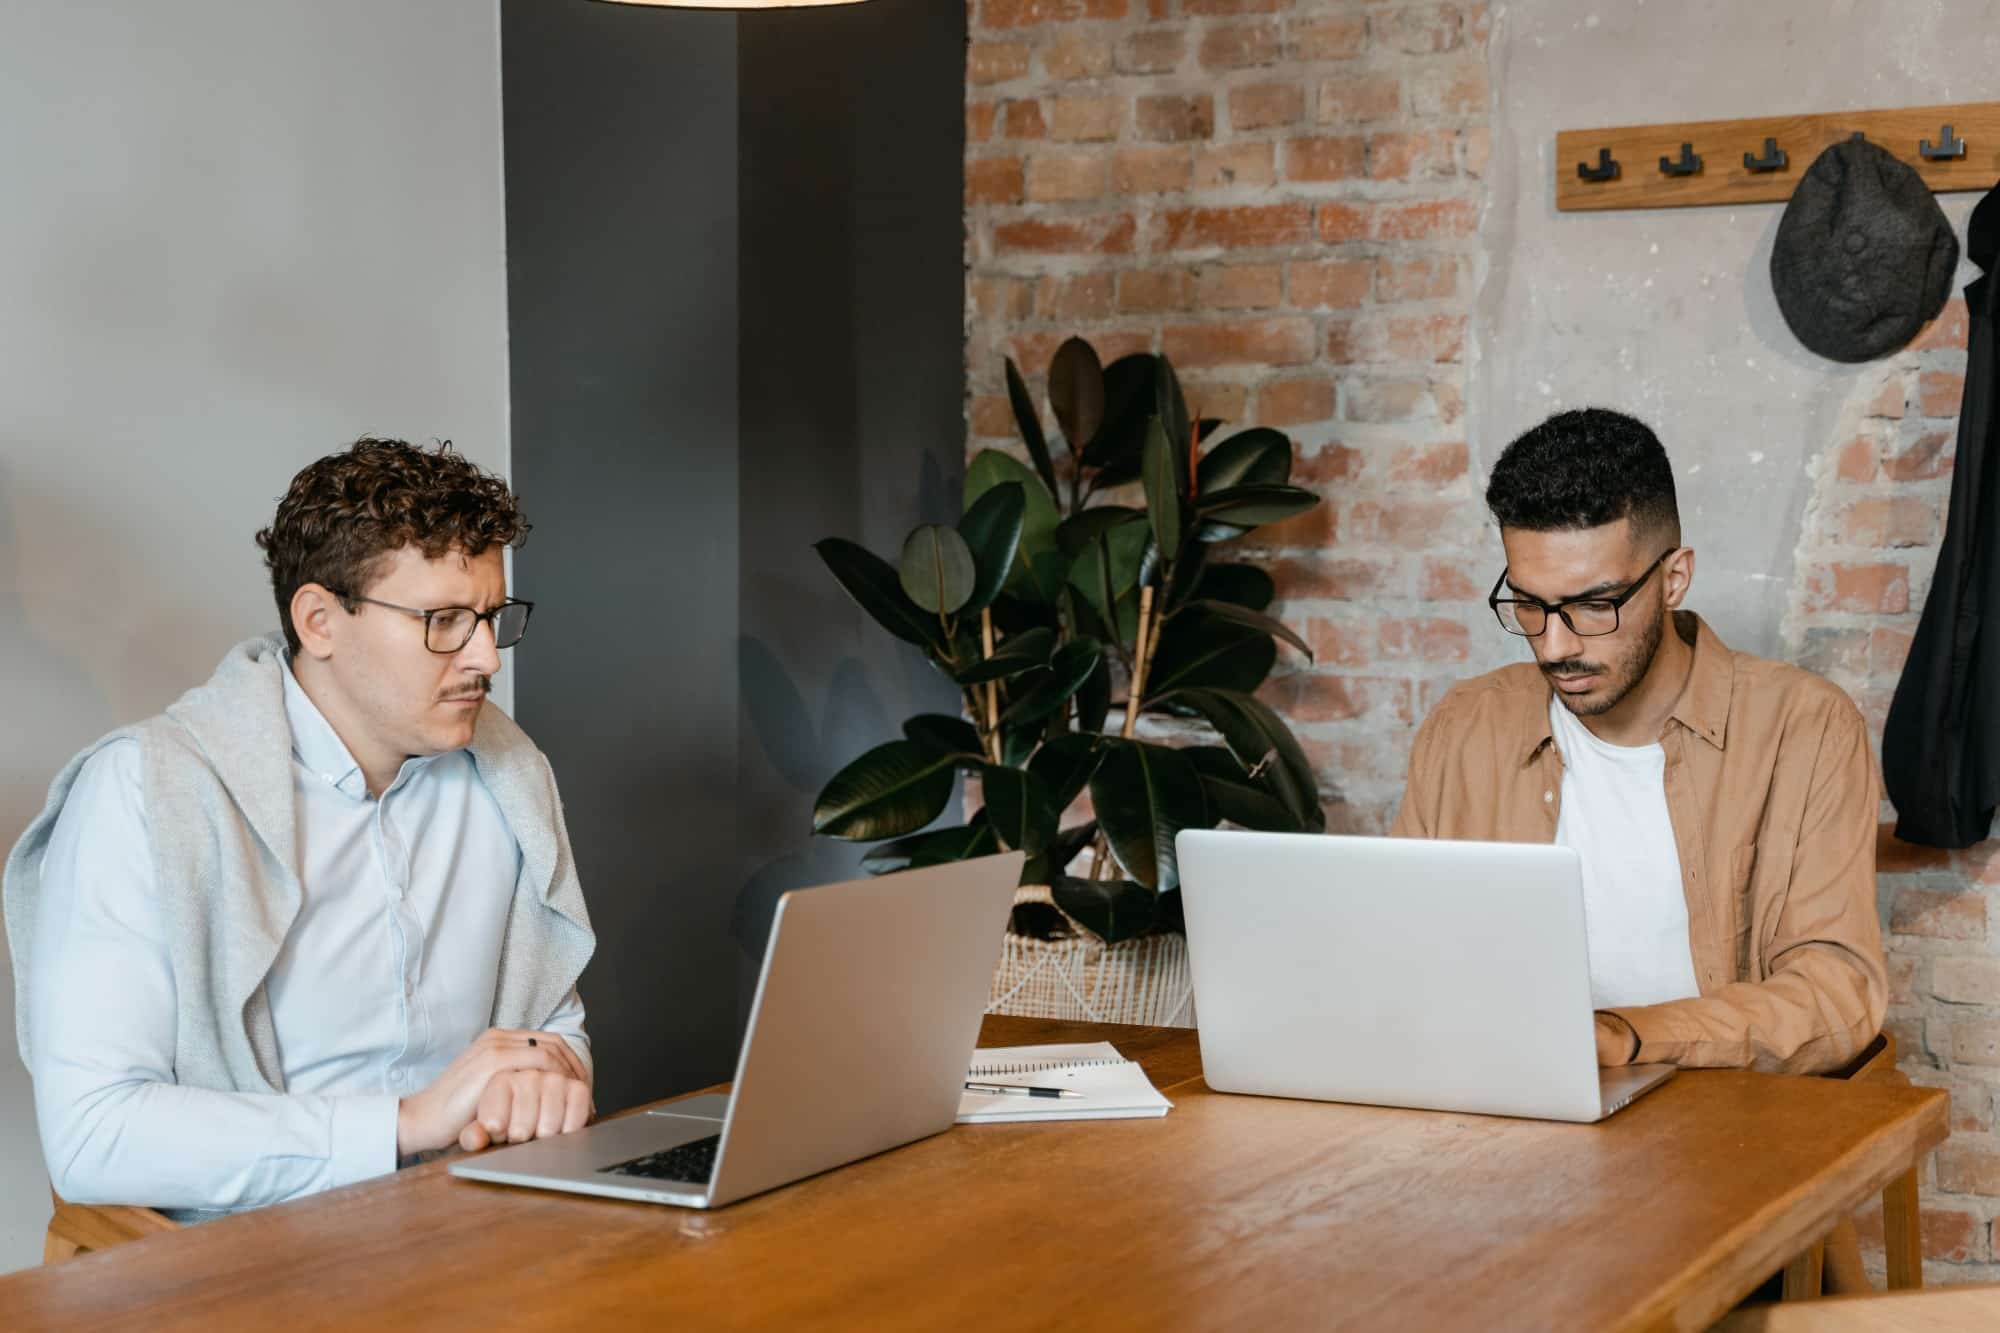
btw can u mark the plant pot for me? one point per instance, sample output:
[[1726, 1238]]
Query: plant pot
[[1142, 981]]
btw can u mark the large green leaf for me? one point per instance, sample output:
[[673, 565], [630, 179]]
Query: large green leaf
[[937, 571], [1265, 746], [872, 582], [1243, 615], [893, 789], [991, 527], [1019, 808], [1159, 468], [1030, 423], [939, 734], [1144, 794], [1188, 567], [1229, 513], [1044, 869], [1017, 653], [1114, 909], [1259, 456], [1244, 585], [1093, 700], [1110, 567], [1065, 763], [1129, 401], [1170, 406], [1017, 743], [1079, 532], [1236, 796], [1076, 392], [1038, 569], [1202, 650], [1070, 667], [935, 848]]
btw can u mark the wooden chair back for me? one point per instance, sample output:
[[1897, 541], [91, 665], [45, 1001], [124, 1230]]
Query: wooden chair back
[[78, 1228]]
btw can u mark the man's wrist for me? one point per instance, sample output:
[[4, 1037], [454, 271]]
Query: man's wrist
[[405, 1130], [1627, 1034]]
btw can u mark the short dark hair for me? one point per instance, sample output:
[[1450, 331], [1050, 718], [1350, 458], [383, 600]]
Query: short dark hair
[[346, 515], [1584, 469]]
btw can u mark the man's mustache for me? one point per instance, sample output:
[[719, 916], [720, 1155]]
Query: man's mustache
[[480, 690], [1570, 668]]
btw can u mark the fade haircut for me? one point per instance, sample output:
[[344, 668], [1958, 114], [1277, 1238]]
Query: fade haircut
[[1584, 469], [347, 515]]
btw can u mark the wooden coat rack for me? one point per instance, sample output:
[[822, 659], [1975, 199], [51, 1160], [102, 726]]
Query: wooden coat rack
[[1703, 163]]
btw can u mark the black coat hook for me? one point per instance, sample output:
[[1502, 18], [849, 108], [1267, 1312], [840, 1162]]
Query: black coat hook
[[1946, 146], [1687, 166], [1774, 158], [1605, 170]]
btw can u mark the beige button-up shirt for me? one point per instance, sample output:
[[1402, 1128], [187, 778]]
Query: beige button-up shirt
[[1773, 796]]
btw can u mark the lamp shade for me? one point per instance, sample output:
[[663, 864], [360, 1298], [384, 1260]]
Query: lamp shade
[[732, 4]]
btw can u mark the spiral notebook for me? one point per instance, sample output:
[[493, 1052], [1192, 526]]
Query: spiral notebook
[[1113, 1087]]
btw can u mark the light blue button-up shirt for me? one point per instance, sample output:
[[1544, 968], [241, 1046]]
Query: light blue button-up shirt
[[387, 974]]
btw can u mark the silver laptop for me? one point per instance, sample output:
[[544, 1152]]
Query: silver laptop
[[1450, 976], [866, 1013]]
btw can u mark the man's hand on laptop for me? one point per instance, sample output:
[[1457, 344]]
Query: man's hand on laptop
[[1617, 1043], [446, 1111]]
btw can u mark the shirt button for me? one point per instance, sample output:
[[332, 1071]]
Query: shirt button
[[1548, 798]]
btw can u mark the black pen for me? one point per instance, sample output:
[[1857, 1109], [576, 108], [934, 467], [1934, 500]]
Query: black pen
[[1018, 1090]]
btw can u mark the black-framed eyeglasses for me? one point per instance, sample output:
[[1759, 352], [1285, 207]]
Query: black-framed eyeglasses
[[1587, 617], [449, 628]]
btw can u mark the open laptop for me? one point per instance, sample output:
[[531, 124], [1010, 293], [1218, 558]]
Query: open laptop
[[866, 1014], [1450, 976]]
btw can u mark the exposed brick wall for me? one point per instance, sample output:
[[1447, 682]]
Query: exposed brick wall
[[1283, 196], [1867, 549]]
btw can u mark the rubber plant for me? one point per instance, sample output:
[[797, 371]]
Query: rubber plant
[[1045, 604]]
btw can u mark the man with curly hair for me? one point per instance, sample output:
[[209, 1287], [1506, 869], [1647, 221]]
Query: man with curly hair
[[320, 916], [1723, 806]]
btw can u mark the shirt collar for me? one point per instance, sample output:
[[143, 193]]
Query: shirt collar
[[316, 745], [1703, 707]]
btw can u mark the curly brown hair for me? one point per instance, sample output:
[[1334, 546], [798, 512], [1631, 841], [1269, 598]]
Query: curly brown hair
[[346, 515]]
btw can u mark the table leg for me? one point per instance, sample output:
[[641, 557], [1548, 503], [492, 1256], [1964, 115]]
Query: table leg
[[1802, 1275], [1902, 1232]]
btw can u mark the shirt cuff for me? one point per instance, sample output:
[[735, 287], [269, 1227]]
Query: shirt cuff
[[362, 1139]]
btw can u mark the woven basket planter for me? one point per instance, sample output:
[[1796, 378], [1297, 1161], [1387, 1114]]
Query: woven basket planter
[[1142, 981]]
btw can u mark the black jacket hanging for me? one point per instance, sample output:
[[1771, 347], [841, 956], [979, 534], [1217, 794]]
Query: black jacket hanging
[[1941, 747]]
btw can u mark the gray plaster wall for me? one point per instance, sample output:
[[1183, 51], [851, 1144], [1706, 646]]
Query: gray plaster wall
[[233, 237], [1668, 313]]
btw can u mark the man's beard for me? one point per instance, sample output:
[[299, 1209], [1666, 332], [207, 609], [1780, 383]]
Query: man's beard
[[1619, 677]]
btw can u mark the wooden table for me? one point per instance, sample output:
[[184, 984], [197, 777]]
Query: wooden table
[[1946, 1310], [1231, 1212]]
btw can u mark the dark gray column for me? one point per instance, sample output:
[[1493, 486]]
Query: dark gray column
[[852, 289], [735, 285], [621, 260]]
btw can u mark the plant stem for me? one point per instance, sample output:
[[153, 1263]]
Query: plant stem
[[992, 688], [1147, 639]]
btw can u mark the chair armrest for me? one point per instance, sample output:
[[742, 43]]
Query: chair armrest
[[79, 1227]]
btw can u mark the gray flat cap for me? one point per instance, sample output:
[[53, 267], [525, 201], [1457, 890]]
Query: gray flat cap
[[1863, 255]]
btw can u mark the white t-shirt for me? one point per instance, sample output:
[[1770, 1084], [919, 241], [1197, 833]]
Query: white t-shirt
[[1614, 816]]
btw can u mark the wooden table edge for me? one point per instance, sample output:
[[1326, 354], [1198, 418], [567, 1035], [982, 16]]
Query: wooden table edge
[[1923, 1128]]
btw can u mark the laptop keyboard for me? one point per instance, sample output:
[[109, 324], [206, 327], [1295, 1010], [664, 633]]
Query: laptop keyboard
[[693, 1162]]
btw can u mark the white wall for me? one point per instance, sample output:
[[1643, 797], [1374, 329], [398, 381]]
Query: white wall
[[1668, 313], [233, 237]]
